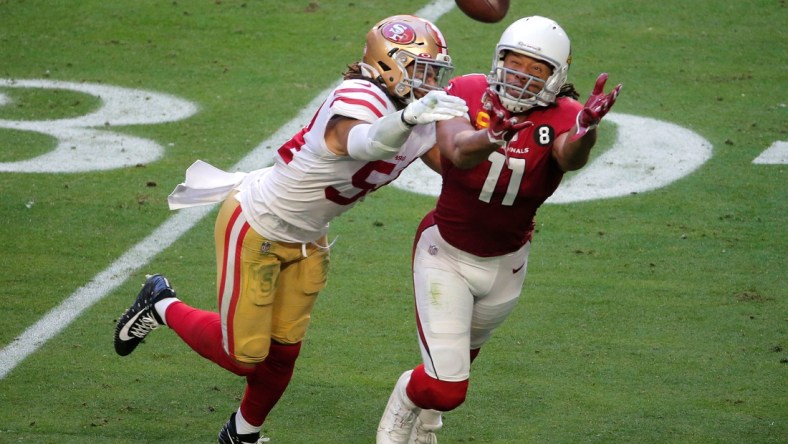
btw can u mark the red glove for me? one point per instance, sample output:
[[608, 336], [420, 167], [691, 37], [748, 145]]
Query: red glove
[[503, 126], [597, 105]]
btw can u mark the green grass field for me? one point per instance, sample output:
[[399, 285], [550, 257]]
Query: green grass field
[[654, 317]]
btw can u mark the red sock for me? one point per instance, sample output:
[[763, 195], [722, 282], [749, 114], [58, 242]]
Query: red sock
[[202, 331], [266, 385], [430, 393]]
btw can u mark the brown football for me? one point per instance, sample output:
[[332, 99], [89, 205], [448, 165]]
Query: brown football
[[487, 11]]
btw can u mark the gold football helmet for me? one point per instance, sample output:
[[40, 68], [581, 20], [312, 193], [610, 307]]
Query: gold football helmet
[[395, 43]]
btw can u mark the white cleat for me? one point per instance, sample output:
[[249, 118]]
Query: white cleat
[[400, 415], [427, 423]]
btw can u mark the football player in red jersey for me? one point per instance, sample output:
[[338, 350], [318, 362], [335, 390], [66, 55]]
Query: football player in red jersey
[[271, 231], [523, 131]]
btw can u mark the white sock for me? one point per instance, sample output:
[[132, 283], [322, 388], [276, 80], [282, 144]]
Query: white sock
[[431, 419], [242, 427], [403, 394], [161, 307]]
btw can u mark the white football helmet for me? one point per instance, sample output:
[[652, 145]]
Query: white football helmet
[[396, 42], [540, 38]]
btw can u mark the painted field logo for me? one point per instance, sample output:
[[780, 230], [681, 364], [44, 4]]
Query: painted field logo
[[87, 143]]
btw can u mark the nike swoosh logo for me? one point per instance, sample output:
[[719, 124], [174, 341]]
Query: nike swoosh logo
[[515, 270], [124, 332]]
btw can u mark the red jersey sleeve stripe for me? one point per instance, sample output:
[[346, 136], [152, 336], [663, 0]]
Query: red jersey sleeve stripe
[[364, 103], [343, 91]]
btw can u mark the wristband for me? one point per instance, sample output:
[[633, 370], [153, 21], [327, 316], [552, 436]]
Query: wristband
[[402, 118], [586, 128], [493, 140]]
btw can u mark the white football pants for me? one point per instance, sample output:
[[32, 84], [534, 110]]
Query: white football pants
[[460, 300]]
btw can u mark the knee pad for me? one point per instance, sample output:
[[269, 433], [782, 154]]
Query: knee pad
[[430, 393]]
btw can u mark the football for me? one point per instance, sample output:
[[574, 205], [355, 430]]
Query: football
[[486, 11]]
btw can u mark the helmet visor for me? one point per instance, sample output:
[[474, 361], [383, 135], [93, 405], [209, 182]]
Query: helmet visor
[[425, 74], [516, 85]]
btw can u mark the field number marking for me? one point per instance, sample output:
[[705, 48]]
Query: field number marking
[[86, 143], [777, 154]]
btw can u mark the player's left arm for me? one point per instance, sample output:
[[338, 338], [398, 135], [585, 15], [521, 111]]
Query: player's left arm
[[572, 149], [572, 154], [337, 131], [384, 138]]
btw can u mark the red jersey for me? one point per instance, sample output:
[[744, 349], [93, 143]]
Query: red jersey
[[489, 210]]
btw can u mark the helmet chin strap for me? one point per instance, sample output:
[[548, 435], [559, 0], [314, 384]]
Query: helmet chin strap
[[407, 97], [403, 99]]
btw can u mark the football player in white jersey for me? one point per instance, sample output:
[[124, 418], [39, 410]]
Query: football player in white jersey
[[271, 231]]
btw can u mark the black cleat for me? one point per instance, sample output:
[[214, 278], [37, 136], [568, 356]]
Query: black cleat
[[228, 435], [141, 318]]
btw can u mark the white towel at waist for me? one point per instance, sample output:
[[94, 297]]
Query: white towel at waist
[[205, 184]]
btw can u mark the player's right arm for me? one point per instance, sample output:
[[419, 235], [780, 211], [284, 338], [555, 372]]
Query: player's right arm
[[462, 144], [432, 159], [467, 147]]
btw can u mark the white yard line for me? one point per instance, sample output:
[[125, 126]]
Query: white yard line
[[173, 228]]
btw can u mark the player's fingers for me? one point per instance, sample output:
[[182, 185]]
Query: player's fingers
[[616, 91], [599, 87]]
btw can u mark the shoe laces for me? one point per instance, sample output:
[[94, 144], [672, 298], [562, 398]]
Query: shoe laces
[[144, 325], [423, 435], [402, 422]]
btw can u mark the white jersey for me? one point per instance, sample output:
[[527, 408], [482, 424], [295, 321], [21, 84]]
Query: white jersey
[[309, 185]]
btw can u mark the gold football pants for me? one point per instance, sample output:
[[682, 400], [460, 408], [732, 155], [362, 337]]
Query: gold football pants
[[266, 289]]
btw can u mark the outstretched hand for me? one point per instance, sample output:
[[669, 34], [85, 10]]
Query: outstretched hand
[[502, 127], [597, 105], [434, 106]]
